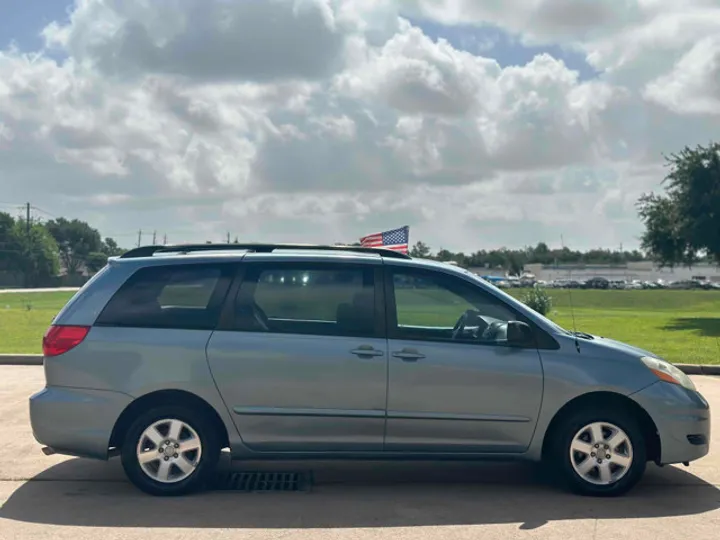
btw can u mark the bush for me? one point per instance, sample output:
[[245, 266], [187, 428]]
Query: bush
[[538, 300]]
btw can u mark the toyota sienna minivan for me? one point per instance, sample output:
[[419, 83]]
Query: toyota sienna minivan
[[171, 354]]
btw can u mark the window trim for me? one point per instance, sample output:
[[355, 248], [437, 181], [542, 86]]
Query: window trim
[[543, 340], [215, 302], [227, 317]]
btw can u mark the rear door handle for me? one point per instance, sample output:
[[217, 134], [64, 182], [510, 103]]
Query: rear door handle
[[367, 351], [408, 355]]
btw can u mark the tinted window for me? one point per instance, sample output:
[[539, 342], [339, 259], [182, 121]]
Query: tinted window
[[429, 306], [307, 299], [173, 296]]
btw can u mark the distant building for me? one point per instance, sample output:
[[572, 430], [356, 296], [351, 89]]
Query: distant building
[[642, 271]]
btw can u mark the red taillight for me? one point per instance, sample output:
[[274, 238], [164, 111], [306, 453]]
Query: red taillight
[[60, 339]]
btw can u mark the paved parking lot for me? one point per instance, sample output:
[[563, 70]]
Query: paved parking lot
[[58, 497]]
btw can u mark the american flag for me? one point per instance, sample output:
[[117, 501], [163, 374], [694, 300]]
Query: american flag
[[396, 239]]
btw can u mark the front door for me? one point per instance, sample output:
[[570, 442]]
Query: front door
[[303, 364], [455, 388]]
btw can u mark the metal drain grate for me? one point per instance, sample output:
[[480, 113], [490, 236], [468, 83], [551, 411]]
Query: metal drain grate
[[255, 481]]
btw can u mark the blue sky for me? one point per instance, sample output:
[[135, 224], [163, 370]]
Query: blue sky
[[492, 42], [23, 20]]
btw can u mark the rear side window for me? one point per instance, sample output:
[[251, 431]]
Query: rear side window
[[173, 296], [316, 299]]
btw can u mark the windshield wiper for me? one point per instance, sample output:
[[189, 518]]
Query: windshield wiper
[[583, 335]]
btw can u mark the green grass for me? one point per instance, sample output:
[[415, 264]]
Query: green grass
[[681, 326], [24, 317]]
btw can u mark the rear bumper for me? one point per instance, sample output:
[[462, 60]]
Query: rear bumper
[[76, 421], [682, 418]]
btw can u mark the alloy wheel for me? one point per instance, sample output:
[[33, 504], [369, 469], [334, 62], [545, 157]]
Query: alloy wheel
[[169, 451], [601, 453]]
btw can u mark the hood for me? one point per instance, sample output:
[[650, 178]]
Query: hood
[[619, 347]]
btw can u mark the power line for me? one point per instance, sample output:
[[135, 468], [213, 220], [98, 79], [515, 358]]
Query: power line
[[33, 217], [44, 212]]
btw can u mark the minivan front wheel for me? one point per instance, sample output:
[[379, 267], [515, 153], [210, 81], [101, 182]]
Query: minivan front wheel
[[170, 451], [601, 453]]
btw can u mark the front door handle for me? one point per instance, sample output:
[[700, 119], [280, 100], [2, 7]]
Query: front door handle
[[408, 355], [366, 351]]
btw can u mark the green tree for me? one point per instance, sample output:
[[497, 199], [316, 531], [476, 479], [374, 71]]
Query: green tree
[[420, 250], [95, 261], [513, 263], [540, 254], [75, 240], [9, 246], [110, 248], [683, 224], [38, 255]]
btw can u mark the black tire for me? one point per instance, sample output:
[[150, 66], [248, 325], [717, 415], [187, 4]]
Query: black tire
[[206, 464], [561, 458]]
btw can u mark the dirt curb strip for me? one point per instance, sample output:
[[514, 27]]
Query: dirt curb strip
[[21, 360], [37, 360], [695, 369]]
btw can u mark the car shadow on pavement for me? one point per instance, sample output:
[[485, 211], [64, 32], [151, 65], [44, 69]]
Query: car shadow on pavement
[[366, 494]]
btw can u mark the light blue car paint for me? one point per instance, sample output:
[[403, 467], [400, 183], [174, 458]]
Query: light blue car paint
[[294, 396]]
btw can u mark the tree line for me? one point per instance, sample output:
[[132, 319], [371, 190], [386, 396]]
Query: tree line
[[682, 227], [38, 252], [514, 260]]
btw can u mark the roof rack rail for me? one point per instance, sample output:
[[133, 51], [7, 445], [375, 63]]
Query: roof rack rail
[[149, 251]]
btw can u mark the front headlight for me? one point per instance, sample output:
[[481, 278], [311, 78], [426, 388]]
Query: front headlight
[[665, 371]]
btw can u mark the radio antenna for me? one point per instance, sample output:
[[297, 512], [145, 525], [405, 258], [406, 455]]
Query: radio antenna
[[572, 307]]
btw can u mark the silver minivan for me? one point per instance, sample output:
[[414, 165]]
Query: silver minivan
[[171, 354]]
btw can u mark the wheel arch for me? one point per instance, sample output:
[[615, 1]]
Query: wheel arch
[[166, 397], [604, 399]]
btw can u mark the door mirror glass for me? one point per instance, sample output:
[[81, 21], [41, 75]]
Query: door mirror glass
[[519, 334]]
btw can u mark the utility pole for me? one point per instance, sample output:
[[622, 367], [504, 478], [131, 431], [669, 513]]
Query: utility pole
[[154, 234], [26, 276], [164, 239], [139, 237], [228, 237]]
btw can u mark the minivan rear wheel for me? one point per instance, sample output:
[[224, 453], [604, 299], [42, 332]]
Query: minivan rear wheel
[[600, 453], [170, 450]]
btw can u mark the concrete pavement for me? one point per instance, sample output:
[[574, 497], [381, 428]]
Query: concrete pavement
[[59, 497]]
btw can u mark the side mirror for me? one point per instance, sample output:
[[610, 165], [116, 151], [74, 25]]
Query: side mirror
[[519, 334]]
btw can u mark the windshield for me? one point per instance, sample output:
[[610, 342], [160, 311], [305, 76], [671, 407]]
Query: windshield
[[514, 301]]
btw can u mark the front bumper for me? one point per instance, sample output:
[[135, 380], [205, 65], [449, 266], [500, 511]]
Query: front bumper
[[76, 421], [682, 418]]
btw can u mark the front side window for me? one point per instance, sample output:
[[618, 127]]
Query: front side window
[[337, 300], [172, 296], [437, 307]]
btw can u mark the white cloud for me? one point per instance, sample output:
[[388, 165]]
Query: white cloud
[[322, 120], [693, 85], [631, 40], [205, 40]]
